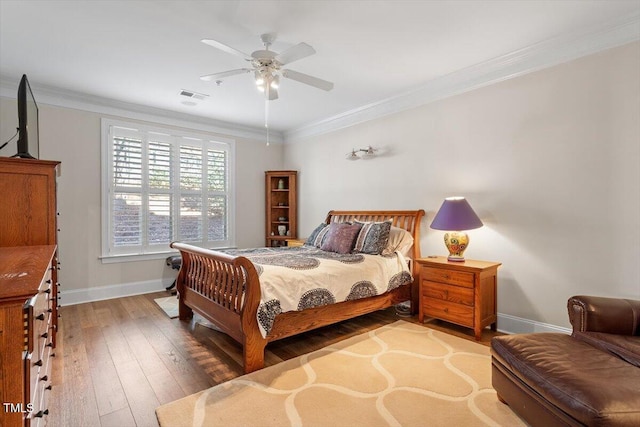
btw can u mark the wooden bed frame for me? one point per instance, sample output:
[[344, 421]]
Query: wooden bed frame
[[225, 290]]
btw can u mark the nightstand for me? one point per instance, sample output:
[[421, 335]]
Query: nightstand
[[295, 242], [463, 293]]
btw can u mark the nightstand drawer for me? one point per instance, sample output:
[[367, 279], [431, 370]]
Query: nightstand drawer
[[459, 278], [456, 313], [456, 294]]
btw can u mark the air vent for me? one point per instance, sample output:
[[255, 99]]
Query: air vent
[[193, 95]]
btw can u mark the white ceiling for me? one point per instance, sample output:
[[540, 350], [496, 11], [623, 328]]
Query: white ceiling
[[145, 52]]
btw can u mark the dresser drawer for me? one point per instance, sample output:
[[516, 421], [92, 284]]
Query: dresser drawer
[[40, 390], [455, 294], [459, 278], [452, 312], [38, 362]]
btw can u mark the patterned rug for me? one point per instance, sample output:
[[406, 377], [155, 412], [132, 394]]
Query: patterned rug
[[402, 374]]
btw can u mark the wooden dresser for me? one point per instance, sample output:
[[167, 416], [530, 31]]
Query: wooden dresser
[[28, 287], [26, 326], [464, 293]]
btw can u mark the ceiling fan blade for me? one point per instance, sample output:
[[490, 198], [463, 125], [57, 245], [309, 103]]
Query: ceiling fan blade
[[307, 79], [299, 51], [223, 47], [222, 75]]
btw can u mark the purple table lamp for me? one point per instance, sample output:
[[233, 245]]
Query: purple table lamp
[[455, 216]]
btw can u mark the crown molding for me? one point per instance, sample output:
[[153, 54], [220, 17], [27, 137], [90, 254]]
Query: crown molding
[[47, 95], [527, 60]]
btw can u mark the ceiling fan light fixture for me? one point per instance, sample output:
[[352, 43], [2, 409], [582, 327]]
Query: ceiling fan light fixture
[[267, 66], [275, 82], [259, 78]]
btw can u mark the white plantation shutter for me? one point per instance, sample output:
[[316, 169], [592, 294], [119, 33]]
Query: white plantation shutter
[[162, 187]]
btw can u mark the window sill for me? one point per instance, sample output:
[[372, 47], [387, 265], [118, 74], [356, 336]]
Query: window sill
[[114, 259]]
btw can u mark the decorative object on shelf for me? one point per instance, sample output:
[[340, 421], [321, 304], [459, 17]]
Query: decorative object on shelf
[[455, 216], [282, 218], [282, 230], [281, 184], [369, 153]]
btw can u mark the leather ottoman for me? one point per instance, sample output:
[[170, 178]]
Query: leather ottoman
[[555, 379]]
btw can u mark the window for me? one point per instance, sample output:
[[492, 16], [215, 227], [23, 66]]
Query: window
[[160, 186]]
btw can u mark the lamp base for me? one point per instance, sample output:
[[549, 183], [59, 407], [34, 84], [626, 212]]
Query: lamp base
[[456, 242]]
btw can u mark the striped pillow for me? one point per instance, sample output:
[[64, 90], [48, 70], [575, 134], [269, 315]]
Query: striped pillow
[[317, 236], [373, 237]]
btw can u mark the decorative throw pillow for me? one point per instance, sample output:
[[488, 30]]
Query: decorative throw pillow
[[372, 238], [319, 232], [340, 237], [399, 240]]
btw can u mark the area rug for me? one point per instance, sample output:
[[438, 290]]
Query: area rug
[[401, 374], [169, 305]]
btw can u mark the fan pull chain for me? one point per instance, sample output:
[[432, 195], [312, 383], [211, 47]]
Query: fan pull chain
[[266, 113]]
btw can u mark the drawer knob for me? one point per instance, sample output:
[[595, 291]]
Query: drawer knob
[[47, 291], [40, 316], [38, 363], [44, 378], [45, 335], [49, 387], [49, 344], [48, 281]]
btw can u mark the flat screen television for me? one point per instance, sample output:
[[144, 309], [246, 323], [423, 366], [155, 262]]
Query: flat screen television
[[27, 121]]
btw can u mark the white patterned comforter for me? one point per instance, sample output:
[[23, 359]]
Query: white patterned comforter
[[304, 277]]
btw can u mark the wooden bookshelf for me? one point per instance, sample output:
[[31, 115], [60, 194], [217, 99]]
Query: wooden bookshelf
[[281, 207]]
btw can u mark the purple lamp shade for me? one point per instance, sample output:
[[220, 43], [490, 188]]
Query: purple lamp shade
[[456, 214]]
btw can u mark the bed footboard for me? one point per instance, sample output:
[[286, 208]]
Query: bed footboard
[[225, 290]]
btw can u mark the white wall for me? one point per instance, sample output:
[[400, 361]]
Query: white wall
[[550, 162], [73, 137]]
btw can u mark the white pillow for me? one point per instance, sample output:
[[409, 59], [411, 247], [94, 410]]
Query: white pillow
[[399, 240]]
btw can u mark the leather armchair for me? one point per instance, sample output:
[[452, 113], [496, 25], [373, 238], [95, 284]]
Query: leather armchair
[[608, 315], [591, 377]]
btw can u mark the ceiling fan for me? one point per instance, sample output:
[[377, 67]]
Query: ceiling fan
[[267, 66]]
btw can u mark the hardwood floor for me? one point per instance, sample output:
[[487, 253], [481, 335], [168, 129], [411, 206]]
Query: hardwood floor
[[117, 360]]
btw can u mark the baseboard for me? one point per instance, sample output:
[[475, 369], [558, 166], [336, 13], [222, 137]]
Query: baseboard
[[517, 325], [79, 296]]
